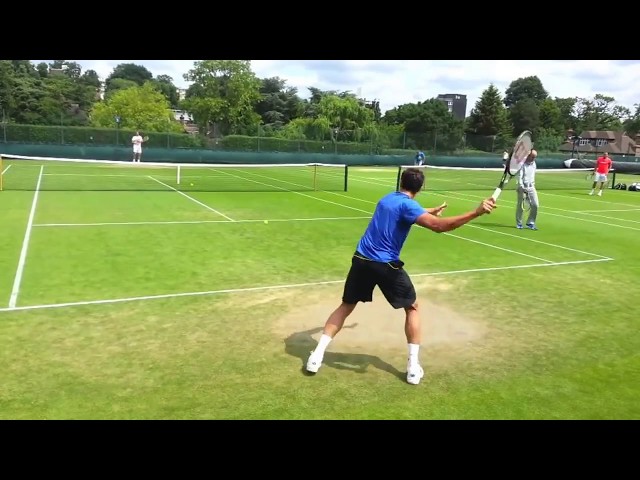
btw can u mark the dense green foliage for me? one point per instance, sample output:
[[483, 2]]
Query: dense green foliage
[[229, 103]]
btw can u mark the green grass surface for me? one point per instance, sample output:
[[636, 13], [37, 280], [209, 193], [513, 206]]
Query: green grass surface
[[149, 304]]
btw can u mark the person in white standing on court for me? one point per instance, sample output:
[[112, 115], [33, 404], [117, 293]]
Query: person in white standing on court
[[527, 186], [137, 141]]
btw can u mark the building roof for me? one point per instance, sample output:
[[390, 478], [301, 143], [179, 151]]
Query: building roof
[[617, 143]]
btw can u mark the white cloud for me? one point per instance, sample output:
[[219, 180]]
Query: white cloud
[[394, 82]]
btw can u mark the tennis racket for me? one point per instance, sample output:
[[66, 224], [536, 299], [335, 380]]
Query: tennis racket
[[145, 138], [521, 151], [589, 176]]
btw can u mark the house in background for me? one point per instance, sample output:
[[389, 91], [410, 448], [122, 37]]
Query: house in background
[[600, 141], [456, 103]]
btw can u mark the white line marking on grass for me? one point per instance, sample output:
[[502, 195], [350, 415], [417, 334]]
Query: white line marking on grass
[[461, 196], [613, 210], [587, 198], [292, 191], [5, 170], [197, 222], [495, 231], [539, 241], [497, 247], [279, 287], [192, 199], [593, 221], [25, 245], [90, 175], [608, 217], [354, 208]]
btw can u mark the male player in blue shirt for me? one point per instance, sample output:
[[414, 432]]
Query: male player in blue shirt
[[376, 261], [419, 158]]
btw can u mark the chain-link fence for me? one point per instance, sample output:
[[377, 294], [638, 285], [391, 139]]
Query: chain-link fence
[[384, 141]]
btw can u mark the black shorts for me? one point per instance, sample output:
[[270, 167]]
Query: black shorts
[[391, 278]]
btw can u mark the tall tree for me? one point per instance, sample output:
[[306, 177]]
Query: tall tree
[[279, 104], [311, 104], [347, 116], [165, 84], [139, 108], [551, 117], [90, 77], [632, 124], [489, 116], [224, 92], [600, 113], [488, 126], [525, 88], [138, 74], [567, 112], [117, 84], [524, 115]]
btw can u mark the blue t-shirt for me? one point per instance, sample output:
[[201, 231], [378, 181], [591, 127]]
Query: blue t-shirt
[[389, 227]]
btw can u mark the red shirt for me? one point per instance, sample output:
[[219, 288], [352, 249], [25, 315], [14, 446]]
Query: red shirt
[[603, 164]]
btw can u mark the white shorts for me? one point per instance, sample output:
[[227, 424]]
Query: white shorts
[[137, 149], [600, 177]]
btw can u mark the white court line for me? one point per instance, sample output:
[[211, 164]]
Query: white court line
[[5, 170], [25, 245], [292, 191], [197, 222], [461, 196], [90, 175], [608, 217], [371, 213], [539, 241], [281, 287], [488, 229], [192, 199], [589, 198], [613, 210]]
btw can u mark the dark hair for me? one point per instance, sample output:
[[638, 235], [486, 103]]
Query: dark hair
[[412, 180]]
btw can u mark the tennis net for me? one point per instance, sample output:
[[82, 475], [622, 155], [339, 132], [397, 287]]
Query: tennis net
[[438, 178], [65, 174]]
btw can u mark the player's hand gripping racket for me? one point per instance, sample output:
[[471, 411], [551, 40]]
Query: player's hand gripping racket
[[521, 151]]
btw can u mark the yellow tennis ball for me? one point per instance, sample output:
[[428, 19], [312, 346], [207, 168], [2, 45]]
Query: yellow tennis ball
[[266, 221], [191, 184]]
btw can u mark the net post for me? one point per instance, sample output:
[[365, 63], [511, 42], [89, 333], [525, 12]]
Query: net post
[[398, 178], [611, 185], [178, 175], [1, 174], [346, 176]]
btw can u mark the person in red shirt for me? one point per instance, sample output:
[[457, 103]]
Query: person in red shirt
[[603, 165]]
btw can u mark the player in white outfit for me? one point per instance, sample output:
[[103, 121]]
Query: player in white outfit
[[137, 142]]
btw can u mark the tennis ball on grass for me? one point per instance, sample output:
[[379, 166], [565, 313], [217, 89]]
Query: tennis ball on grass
[[266, 221]]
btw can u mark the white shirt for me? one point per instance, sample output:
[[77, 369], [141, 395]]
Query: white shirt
[[136, 140], [527, 174]]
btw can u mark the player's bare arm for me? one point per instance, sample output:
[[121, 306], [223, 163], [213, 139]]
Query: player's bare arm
[[446, 224]]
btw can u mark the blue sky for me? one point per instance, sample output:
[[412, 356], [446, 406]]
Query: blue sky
[[394, 82]]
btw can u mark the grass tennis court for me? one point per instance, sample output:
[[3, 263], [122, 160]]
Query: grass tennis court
[[133, 296]]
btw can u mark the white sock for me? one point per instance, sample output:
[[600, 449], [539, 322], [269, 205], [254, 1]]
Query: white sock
[[414, 349], [322, 344]]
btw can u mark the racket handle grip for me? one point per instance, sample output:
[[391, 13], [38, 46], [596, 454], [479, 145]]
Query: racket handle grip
[[496, 193]]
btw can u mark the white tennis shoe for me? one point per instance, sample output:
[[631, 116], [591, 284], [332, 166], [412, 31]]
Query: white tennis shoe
[[313, 363], [414, 374]]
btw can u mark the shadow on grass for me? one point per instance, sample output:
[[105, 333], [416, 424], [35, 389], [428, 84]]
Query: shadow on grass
[[300, 345]]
